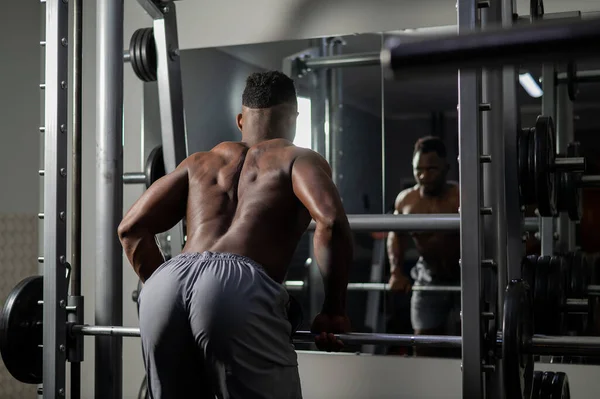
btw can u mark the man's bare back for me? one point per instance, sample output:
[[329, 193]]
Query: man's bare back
[[441, 251], [241, 201]]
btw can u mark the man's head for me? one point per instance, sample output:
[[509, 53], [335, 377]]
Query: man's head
[[269, 107], [429, 164]]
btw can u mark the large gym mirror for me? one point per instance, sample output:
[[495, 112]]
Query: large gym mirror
[[341, 119]]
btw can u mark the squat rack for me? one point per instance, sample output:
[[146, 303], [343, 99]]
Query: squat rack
[[517, 44]]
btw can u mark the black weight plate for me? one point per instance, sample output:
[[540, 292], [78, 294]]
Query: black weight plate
[[524, 180], [517, 331], [541, 299], [536, 392], [145, 41], [578, 284], [572, 186], [544, 153], [528, 266], [531, 172], [557, 298], [546, 389], [572, 86], [150, 56], [134, 54], [155, 166], [21, 331], [560, 386]]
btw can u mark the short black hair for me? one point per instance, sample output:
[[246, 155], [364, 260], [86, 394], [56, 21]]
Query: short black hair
[[430, 144], [268, 89]]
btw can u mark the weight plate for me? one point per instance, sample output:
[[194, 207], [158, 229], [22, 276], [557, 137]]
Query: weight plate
[[573, 193], [144, 42], [556, 295], [528, 266], [572, 86], [541, 299], [134, 54], [546, 387], [559, 386], [524, 178], [21, 331], [531, 172], [544, 153], [155, 166], [517, 330], [150, 56], [536, 392], [578, 283]]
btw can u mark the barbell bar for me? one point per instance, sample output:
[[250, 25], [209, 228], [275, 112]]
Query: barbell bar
[[541, 345]]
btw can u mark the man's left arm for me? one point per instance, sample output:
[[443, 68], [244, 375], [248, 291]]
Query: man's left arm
[[156, 211]]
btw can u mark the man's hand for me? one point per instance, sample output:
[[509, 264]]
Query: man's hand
[[399, 282], [326, 326]]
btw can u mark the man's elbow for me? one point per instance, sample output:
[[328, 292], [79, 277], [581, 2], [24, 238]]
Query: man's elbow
[[126, 230]]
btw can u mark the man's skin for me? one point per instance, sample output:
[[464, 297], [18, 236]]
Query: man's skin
[[441, 251], [253, 198]]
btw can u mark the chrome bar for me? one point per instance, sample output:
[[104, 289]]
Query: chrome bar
[[576, 305], [297, 285], [345, 60], [590, 181], [414, 222], [109, 196], [574, 164], [522, 44], [592, 76], [134, 178], [542, 345]]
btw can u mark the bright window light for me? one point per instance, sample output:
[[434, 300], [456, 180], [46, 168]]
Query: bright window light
[[303, 124], [530, 85]]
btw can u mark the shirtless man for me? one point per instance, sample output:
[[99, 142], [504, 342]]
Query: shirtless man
[[213, 319], [431, 312]]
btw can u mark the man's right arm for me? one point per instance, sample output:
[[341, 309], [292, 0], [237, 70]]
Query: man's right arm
[[333, 246], [396, 246]]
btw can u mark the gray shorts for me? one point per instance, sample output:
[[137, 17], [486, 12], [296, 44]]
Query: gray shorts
[[433, 310], [214, 325]]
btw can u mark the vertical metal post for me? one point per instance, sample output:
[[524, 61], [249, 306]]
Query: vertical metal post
[[170, 94], [564, 135], [495, 237], [75, 298], [55, 198], [469, 149], [335, 110], [383, 132], [318, 97], [548, 109], [320, 113], [510, 124], [109, 196]]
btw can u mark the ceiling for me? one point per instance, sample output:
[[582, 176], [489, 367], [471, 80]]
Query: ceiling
[[362, 86]]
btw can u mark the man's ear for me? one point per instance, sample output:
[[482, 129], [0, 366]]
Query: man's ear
[[239, 122]]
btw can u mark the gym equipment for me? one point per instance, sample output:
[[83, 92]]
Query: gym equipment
[[569, 187], [536, 10], [550, 385], [23, 334], [21, 331], [142, 54], [572, 87], [538, 167], [154, 170]]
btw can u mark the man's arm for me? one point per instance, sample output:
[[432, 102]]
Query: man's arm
[[157, 210], [396, 243], [333, 246]]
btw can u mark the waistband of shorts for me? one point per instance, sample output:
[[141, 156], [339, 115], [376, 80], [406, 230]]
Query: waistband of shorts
[[208, 255]]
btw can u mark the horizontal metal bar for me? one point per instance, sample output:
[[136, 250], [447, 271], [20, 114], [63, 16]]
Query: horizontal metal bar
[[345, 60], [542, 345], [414, 222], [592, 76], [590, 181], [297, 285], [126, 56], [552, 41], [566, 345], [576, 305], [593, 290], [573, 164], [134, 178]]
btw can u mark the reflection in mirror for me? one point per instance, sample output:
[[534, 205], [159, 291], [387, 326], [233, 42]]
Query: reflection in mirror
[[421, 177]]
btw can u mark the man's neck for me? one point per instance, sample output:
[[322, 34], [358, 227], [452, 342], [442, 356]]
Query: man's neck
[[438, 193]]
